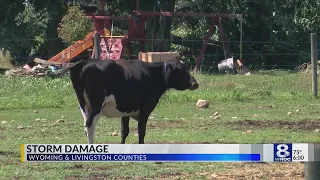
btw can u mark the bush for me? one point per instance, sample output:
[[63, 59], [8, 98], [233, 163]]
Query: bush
[[74, 25]]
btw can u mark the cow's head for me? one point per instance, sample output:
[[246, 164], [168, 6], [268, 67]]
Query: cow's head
[[178, 76]]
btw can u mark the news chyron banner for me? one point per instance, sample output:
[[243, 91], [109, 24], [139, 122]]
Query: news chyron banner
[[170, 152]]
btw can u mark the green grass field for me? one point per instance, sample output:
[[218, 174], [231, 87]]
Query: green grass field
[[266, 107]]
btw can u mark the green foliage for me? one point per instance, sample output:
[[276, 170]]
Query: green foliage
[[307, 16], [265, 21], [74, 25], [33, 25], [5, 58]]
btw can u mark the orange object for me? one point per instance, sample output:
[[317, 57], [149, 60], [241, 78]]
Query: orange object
[[76, 48]]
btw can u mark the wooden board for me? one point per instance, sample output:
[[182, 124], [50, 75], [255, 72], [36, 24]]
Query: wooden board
[[45, 62]]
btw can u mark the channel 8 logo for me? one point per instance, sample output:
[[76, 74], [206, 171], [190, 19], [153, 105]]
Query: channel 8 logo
[[282, 152]]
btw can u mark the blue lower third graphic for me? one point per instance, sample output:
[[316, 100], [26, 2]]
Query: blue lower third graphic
[[145, 157]]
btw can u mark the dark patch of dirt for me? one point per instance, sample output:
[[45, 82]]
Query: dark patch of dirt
[[7, 153], [77, 166], [164, 124], [172, 175], [302, 125]]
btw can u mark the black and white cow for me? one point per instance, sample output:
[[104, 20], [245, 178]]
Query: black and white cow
[[125, 88]]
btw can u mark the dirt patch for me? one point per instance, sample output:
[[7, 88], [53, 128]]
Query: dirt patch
[[164, 124], [236, 171], [283, 171], [302, 125], [7, 153]]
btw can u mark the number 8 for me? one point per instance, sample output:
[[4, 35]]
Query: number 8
[[282, 150]]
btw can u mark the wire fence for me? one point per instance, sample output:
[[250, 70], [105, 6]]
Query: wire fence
[[256, 54]]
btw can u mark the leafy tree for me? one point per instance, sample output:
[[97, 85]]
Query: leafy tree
[[74, 25], [33, 25]]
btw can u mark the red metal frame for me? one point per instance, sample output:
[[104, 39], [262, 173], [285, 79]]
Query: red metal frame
[[137, 31]]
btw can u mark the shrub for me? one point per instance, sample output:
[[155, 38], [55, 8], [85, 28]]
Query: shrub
[[74, 25]]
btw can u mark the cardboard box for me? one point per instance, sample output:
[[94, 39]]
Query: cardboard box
[[157, 56]]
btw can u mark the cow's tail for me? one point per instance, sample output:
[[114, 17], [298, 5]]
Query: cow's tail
[[75, 72]]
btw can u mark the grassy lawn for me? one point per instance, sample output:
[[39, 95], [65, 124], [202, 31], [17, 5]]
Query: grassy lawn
[[262, 108]]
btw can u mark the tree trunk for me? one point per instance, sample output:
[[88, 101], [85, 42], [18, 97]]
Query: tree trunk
[[158, 27]]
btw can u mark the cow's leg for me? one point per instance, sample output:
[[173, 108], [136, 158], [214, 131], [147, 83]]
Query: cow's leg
[[124, 129], [142, 124], [91, 122], [85, 112], [96, 100]]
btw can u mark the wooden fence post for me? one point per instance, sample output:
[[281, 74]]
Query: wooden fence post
[[314, 62], [97, 48]]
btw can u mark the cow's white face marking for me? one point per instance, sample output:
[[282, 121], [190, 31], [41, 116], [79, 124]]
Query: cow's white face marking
[[109, 108], [181, 62]]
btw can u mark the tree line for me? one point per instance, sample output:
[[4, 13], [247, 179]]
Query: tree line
[[273, 32]]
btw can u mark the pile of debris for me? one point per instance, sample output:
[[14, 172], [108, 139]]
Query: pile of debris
[[36, 71], [306, 68]]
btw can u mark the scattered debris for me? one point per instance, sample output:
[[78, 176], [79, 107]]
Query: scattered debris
[[216, 113], [36, 71], [248, 132], [255, 115], [43, 130], [114, 133], [217, 117], [59, 120], [38, 119], [234, 117], [289, 113], [201, 103], [20, 127], [35, 111], [214, 176], [297, 110], [317, 130], [4, 122]]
